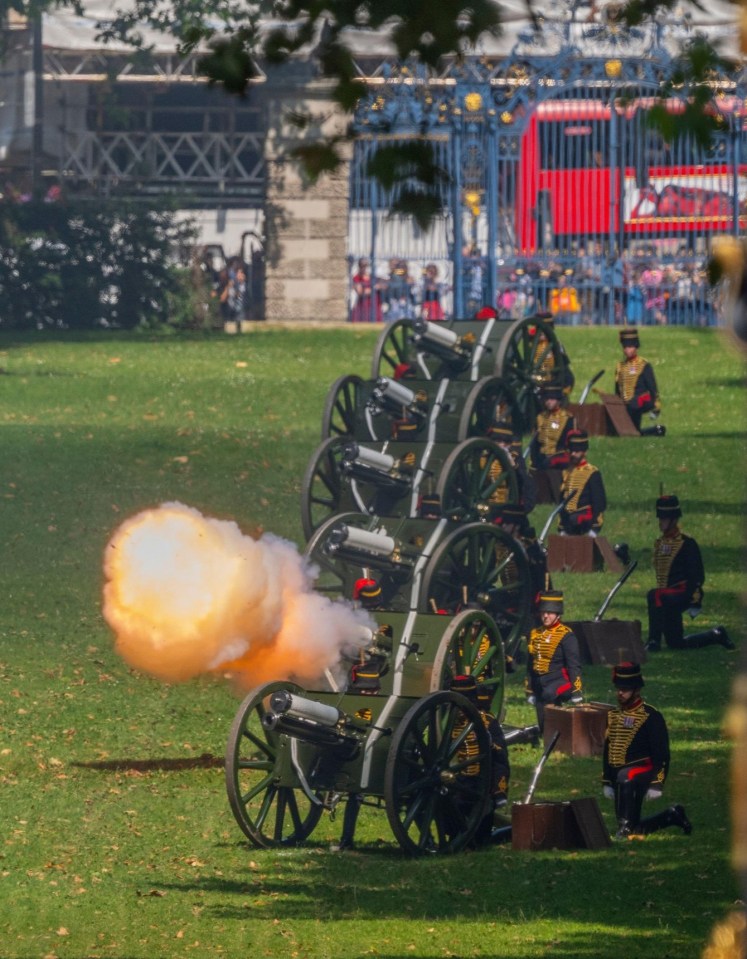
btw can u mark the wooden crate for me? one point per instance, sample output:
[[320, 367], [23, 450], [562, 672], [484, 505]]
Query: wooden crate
[[582, 728], [581, 554], [610, 641], [577, 824]]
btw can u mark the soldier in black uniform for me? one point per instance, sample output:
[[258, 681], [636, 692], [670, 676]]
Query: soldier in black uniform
[[679, 585], [549, 447], [582, 490], [480, 697], [527, 488], [554, 663], [635, 383], [513, 519], [636, 758]]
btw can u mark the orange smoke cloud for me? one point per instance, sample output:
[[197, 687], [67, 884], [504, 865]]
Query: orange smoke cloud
[[188, 595]]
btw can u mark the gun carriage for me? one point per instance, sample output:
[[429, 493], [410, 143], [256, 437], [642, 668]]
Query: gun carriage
[[525, 354], [396, 479], [394, 733]]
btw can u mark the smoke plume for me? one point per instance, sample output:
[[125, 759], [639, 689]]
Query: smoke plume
[[188, 595]]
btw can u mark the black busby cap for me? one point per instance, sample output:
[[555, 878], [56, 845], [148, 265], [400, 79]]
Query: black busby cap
[[501, 433], [463, 684], [578, 441], [551, 601], [508, 513], [368, 591], [629, 337], [551, 391], [627, 676], [668, 507], [430, 506]]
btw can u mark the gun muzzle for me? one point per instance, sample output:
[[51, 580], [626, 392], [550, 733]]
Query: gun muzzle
[[434, 333], [285, 703], [363, 456], [359, 540]]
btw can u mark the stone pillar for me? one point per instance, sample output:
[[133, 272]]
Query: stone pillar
[[306, 224]]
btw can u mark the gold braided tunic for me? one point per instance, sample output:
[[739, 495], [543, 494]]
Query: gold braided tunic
[[637, 741], [554, 663]]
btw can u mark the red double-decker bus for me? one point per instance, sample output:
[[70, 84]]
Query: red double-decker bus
[[588, 171]]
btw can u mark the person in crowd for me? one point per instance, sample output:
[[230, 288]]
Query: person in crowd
[[399, 295], [635, 383], [635, 760], [432, 307], [553, 662], [367, 296], [680, 575], [564, 302], [582, 491], [548, 448]]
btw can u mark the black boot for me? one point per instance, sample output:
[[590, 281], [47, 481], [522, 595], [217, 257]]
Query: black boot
[[710, 637], [652, 647], [679, 818], [673, 816], [624, 829], [658, 430]]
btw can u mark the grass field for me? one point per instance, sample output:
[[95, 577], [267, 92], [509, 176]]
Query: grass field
[[119, 841]]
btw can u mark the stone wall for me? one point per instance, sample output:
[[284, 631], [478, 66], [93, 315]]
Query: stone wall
[[305, 223]]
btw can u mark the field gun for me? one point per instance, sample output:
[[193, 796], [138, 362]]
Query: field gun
[[401, 740], [406, 479], [526, 354]]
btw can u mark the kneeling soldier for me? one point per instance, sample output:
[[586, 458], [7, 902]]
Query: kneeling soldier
[[582, 490], [636, 758]]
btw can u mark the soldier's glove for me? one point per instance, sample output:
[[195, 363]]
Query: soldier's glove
[[608, 792], [653, 792], [577, 700], [531, 700]]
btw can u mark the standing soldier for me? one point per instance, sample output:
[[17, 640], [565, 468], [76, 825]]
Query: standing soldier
[[582, 491], [679, 585], [549, 446], [635, 383], [636, 758], [504, 436], [554, 663]]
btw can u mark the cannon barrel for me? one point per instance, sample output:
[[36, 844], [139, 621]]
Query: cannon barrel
[[311, 722], [442, 342], [285, 703], [389, 396], [360, 546], [379, 469]]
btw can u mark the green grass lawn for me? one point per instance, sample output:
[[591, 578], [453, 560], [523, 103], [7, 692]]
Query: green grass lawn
[[119, 841]]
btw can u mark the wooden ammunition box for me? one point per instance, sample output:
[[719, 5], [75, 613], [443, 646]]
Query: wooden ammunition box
[[582, 728], [610, 641], [581, 554], [591, 417], [577, 824]]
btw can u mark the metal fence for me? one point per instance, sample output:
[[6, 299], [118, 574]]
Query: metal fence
[[562, 192]]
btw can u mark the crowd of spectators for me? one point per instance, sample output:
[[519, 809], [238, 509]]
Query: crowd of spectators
[[585, 288]]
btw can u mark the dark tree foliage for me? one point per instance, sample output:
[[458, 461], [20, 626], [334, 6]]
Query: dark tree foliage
[[85, 265], [236, 34]]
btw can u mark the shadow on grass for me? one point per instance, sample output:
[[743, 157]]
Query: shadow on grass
[[167, 764]]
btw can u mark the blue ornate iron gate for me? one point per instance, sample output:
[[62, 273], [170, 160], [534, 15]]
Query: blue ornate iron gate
[[560, 193]]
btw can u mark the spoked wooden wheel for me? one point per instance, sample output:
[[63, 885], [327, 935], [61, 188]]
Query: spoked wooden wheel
[[325, 486], [336, 576], [472, 646], [476, 474], [342, 407], [263, 791], [529, 357], [480, 565], [438, 775], [395, 349], [490, 402]]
